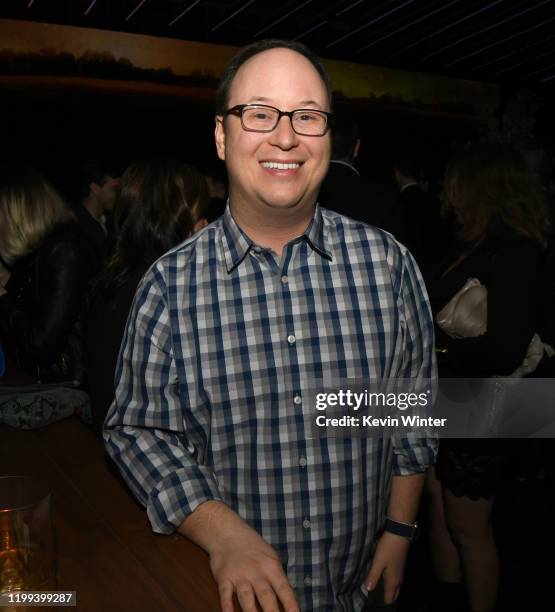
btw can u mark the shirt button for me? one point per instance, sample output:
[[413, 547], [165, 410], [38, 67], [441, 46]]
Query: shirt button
[[284, 280], [297, 399], [291, 339], [307, 580], [302, 461], [306, 524]]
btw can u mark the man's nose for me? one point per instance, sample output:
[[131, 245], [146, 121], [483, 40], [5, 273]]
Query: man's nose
[[284, 136]]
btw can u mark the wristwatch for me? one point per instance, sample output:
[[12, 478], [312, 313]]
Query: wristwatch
[[405, 530]]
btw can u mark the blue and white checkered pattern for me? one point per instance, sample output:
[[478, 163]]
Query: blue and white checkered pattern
[[212, 381]]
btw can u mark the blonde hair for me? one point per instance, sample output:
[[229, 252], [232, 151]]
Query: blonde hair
[[30, 208]]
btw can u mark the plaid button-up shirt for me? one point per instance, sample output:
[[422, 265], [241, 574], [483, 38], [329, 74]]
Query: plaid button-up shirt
[[212, 381]]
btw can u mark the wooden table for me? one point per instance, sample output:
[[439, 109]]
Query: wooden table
[[106, 549]]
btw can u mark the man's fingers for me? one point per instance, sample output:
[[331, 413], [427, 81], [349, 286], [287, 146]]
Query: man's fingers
[[245, 595], [391, 589], [226, 596], [373, 576], [286, 595], [266, 597]]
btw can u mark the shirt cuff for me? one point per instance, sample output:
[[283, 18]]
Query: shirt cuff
[[178, 495], [414, 455]]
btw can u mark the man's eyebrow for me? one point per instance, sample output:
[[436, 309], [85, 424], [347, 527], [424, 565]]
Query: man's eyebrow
[[302, 103], [309, 103]]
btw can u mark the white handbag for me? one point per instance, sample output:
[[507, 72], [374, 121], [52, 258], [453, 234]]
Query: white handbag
[[465, 316], [466, 313]]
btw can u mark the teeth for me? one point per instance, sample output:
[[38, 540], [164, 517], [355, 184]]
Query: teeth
[[278, 166]]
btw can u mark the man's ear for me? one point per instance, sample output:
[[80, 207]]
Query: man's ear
[[94, 188], [219, 135]]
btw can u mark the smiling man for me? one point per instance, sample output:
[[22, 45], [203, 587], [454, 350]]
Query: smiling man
[[228, 333]]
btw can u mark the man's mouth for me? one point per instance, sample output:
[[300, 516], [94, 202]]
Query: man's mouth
[[273, 165]]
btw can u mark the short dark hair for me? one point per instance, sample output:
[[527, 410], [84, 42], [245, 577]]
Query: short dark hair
[[409, 162], [93, 171], [228, 75]]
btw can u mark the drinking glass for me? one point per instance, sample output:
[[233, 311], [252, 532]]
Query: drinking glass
[[26, 536]]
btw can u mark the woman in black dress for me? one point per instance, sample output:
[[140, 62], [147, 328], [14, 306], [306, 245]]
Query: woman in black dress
[[503, 223], [162, 202]]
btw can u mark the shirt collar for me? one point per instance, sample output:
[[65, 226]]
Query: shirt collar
[[315, 236], [236, 244], [340, 162], [407, 185]]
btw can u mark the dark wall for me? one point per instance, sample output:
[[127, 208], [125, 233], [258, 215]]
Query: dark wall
[[55, 131]]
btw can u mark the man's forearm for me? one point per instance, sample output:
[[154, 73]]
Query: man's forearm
[[210, 523], [405, 497]]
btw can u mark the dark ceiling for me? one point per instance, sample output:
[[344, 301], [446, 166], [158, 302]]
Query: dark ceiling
[[501, 41]]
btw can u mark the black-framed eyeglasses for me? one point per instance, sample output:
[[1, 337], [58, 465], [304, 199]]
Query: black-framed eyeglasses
[[262, 118]]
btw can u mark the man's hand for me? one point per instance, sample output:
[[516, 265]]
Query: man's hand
[[241, 561], [389, 561], [391, 553], [245, 564]]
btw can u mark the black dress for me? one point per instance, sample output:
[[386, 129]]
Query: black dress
[[509, 265]]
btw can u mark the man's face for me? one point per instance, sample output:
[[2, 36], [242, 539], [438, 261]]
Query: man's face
[[108, 192], [287, 80]]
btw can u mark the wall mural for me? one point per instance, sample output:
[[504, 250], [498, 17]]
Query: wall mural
[[46, 55]]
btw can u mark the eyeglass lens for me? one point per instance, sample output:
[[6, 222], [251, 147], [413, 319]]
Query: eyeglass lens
[[307, 122]]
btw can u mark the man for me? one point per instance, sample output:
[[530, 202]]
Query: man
[[99, 191], [419, 225], [367, 201], [225, 334]]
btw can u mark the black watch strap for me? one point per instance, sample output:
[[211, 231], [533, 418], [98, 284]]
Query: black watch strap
[[401, 529]]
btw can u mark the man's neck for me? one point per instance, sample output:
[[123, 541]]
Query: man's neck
[[93, 206], [272, 228]]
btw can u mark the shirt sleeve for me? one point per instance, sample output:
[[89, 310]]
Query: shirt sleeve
[[144, 431], [416, 450]]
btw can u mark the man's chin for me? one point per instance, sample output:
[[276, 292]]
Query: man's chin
[[288, 203]]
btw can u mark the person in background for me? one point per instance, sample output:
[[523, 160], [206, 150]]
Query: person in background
[[418, 222], [161, 203], [344, 189], [503, 225], [98, 190], [4, 278], [217, 191], [50, 267]]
